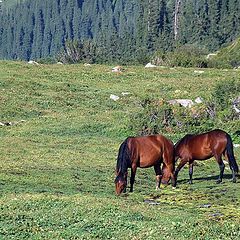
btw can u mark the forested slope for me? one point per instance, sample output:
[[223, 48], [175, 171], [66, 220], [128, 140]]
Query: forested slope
[[118, 28]]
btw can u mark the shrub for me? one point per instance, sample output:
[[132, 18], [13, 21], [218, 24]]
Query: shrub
[[185, 56], [76, 52], [224, 93], [157, 116]]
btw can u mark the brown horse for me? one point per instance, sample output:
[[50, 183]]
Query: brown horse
[[204, 146], [144, 152]]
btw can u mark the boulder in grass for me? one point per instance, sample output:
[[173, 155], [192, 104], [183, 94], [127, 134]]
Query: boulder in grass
[[198, 71], [198, 100], [150, 65], [183, 102], [33, 62], [117, 69], [114, 97]]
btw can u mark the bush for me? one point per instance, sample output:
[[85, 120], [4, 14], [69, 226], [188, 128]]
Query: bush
[[77, 52], [224, 93], [185, 56], [158, 116]]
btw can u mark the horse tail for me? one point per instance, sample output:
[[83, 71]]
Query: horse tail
[[123, 159], [230, 154]]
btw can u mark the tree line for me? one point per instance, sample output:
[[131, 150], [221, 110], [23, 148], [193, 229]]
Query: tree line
[[126, 30]]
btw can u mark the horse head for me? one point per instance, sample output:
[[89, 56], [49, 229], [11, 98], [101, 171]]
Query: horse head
[[166, 175], [121, 183]]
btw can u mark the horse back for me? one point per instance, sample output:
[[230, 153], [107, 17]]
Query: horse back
[[147, 151], [202, 146]]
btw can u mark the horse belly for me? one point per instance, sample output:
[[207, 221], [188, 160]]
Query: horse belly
[[146, 162], [203, 155]]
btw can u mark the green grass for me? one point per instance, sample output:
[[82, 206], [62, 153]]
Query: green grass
[[57, 167], [227, 57]]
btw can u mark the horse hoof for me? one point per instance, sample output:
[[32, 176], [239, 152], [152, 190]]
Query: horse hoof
[[190, 182], [173, 188], [234, 180], [218, 181]]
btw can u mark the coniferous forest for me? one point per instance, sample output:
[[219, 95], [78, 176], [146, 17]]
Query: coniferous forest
[[115, 29]]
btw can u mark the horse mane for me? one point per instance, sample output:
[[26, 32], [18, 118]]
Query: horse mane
[[123, 159], [183, 140]]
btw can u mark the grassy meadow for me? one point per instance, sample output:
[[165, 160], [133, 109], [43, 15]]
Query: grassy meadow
[[57, 160]]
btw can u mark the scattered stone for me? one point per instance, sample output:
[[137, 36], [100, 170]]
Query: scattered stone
[[197, 71], [11, 123], [117, 69], [236, 145], [150, 65], [33, 62], [125, 93], [59, 63], [87, 64], [198, 100], [210, 55], [236, 104], [114, 97], [151, 202], [183, 102], [217, 214], [208, 205]]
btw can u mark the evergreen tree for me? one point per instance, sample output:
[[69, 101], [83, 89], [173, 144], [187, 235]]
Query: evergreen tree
[[119, 29]]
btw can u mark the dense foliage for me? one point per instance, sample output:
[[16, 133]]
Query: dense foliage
[[156, 116], [123, 30]]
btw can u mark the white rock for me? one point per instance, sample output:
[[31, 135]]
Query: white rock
[[198, 71], [211, 55], [33, 62], [125, 93], [114, 97], [183, 102], [117, 69], [198, 100], [149, 65]]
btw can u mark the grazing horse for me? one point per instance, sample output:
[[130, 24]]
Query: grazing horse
[[204, 146], [144, 152]]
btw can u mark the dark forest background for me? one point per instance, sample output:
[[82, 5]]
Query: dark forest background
[[115, 30]]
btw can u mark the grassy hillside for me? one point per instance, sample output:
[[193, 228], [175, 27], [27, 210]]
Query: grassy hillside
[[57, 166], [227, 57]]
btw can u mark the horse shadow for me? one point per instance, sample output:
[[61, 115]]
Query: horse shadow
[[208, 178]]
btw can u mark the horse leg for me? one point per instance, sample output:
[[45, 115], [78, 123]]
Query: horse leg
[[221, 167], [158, 172], [132, 179], [179, 167], [125, 177], [233, 172], [190, 172]]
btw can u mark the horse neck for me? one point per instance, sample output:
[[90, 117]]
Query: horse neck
[[181, 143], [123, 160]]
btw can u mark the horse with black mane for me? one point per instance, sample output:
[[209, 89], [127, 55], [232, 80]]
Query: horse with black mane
[[214, 143], [144, 152]]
